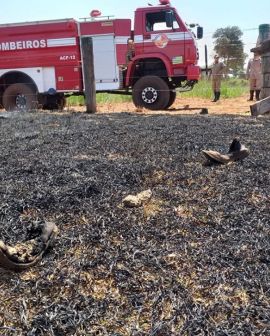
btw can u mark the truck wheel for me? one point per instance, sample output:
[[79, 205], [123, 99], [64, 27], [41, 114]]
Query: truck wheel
[[151, 92], [19, 97], [55, 102], [62, 103], [172, 99]]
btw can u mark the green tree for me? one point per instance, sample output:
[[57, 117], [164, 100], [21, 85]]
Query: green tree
[[230, 47]]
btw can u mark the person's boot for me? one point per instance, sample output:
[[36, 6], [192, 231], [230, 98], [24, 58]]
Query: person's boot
[[251, 92], [215, 98], [258, 94], [218, 95]]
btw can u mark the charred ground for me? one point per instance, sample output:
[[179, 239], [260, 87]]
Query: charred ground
[[192, 261]]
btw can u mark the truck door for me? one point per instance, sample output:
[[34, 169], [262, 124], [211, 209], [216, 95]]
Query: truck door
[[158, 37], [105, 64]]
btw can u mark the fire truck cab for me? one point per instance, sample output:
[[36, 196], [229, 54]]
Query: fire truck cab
[[41, 62], [165, 57]]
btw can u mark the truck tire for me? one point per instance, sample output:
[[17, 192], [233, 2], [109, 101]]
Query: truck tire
[[56, 102], [172, 99], [19, 97], [62, 103], [151, 92]]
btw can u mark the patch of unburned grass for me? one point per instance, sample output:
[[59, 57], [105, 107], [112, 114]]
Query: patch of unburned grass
[[102, 98], [230, 88]]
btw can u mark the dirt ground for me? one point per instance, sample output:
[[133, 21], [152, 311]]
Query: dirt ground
[[238, 106], [230, 106]]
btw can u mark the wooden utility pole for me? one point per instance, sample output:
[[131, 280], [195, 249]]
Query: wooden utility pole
[[88, 74], [206, 59], [263, 49]]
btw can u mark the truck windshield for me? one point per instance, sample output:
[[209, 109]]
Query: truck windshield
[[156, 21]]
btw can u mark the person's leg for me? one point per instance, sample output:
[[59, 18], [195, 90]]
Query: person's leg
[[252, 88], [251, 95], [218, 86], [214, 90], [258, 87], [215, 97]]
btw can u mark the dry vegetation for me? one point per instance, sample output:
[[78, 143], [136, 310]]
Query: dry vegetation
[[192, 261]]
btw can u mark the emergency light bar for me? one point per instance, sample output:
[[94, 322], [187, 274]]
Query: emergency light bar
[[94, 13], [164, 2]]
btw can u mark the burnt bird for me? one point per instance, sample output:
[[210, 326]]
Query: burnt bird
[[27, 254], [236, 152]]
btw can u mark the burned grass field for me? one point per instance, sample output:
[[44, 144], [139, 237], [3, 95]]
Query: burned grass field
[[193, 260]]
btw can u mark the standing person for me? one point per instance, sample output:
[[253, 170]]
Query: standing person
[[216, 72], [254, 76], [130, 50]]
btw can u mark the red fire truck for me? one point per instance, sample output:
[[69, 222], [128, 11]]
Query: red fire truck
[[41, 62]]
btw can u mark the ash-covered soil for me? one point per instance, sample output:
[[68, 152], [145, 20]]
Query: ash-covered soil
[[194, 260]]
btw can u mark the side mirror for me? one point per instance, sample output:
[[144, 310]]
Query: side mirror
[[169, 17], [199, 32]]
